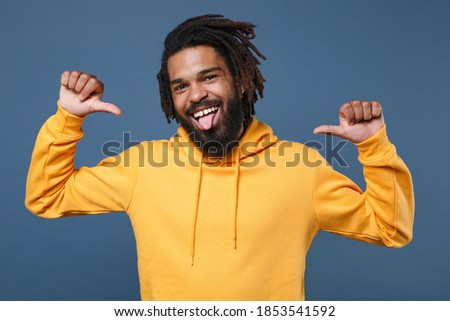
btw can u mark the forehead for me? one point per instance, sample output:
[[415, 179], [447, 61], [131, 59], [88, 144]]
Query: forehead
[[191, 61]]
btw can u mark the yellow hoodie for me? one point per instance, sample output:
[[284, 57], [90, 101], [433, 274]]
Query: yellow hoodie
[[231, 229]]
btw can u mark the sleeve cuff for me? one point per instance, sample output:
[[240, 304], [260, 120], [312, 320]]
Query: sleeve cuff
[[67, 123], [376, 147]]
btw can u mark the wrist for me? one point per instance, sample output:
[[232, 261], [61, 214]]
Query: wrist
[[67, 122], [375, 147]]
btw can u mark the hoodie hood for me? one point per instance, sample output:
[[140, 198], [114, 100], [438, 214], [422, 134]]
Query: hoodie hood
[[257, 138]]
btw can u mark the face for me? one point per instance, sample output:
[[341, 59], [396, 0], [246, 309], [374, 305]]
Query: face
[[206, 104]]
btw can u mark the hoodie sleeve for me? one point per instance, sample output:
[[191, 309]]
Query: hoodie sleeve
[[55, 188], [384, 213]]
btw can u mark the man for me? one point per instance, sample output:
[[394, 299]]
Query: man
[[224, 210]]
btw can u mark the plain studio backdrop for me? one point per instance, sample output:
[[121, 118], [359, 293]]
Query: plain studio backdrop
[[320, 54]]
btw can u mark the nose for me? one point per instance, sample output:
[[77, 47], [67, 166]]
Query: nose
[[197, 93]]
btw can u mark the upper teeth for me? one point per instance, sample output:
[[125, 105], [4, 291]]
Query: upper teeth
[[205, 112]]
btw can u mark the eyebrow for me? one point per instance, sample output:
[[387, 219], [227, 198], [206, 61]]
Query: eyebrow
[[202, 72]]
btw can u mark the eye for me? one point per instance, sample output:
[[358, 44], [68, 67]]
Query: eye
[[209, 77], [179, 88]]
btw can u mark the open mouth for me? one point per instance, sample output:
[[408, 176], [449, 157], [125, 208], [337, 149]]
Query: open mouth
[[205, 117], [205, 112]]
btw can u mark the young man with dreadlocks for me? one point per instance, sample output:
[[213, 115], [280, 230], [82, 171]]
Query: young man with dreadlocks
[[247, 209]]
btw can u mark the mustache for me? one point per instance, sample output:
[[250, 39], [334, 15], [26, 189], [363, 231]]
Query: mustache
[[204, 103]]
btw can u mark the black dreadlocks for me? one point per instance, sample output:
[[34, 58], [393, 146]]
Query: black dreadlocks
[[231, 39]]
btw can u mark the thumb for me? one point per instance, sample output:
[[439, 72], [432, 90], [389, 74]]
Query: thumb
[[101, 106], [330, 130]]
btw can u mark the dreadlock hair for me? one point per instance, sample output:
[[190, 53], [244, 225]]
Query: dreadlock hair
[[231, 40]]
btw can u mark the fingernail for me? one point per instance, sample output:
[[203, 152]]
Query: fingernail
[[80, 97]]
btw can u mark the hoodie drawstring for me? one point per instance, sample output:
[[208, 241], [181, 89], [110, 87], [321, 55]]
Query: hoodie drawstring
[[257, 133], [197, 199], [236, 197], [195, 216]]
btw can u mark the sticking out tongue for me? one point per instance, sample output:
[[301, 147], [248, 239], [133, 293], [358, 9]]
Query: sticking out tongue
[[206, 122]]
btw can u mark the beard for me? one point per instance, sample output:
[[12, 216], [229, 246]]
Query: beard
[[222, 138]]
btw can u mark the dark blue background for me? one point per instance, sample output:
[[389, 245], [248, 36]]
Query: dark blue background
[[320, 55]]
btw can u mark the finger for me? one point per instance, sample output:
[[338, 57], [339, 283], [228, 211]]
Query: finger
[[330, 130], [100, 106], [92, 86], [367, 110], [82, 81], [73, 78], [346, 113], [376, 109], [357, 110], [65, 78]]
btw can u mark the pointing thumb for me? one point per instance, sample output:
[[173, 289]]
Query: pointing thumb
[[100, 106], [330, 130]]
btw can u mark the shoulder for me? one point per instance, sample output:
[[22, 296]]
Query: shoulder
[[296, 154], [139, 154]]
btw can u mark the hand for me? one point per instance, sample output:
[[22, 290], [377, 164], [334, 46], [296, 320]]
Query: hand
[[358, 120], [80, 94]]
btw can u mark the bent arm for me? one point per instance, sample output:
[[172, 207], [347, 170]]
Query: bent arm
[[55, 188], [384, 213]]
